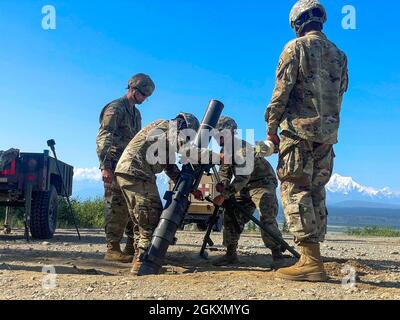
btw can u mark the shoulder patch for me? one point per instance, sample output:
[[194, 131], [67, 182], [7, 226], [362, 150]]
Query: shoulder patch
[[280, 63], [287, 55]]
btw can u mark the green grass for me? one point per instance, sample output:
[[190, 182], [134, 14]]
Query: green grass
[[373, 231], [16, 218], [251, 227], [88, 214]]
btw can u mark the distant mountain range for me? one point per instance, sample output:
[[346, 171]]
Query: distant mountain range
[[341, 191], [349, 203]]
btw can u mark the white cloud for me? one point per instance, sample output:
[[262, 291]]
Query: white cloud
[[91, 174], [94, 174]]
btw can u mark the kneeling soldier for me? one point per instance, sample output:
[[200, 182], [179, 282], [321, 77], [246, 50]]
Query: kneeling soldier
[[136, 175], [251, 191]]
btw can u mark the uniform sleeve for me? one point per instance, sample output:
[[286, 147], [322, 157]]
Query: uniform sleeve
[[170, 168], [239, 181], [345, 78], [138, 120], [225, 174], [286, 76], [106, 139], [344, 85]]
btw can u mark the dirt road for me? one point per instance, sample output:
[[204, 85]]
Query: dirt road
[[81, 272]]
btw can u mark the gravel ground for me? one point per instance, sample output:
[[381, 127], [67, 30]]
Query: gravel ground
[[81, 272]]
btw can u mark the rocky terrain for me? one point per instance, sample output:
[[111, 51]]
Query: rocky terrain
[[81, 272]]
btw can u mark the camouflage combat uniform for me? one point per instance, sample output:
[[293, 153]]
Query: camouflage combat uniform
[[119, 123], [311, 80], [137, 180], [257, 190], [137, 177]]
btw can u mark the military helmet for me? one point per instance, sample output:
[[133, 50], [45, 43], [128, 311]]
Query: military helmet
[[226, 123], [142, 83], [191, 121], [306, 11]]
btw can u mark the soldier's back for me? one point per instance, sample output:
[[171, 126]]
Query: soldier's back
[[315, 103], [133, 160]]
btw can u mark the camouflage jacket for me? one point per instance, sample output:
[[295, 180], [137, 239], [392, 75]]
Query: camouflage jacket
[[153, 150], [311, 79], [134, 160], [262, 174], [119, 123]]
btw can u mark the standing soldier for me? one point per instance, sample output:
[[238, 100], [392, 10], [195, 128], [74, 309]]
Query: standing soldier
[[251, 191], [311, 80], [136, 175], [120, 121]]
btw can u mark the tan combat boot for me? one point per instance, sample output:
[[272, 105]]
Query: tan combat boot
[[308, 268], [129, 249], [115, 254], [228, 259], [137, 261]]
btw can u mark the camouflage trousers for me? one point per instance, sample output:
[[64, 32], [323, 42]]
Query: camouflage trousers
[[144, 205], [116, 214], [264, 199], [304, 169]]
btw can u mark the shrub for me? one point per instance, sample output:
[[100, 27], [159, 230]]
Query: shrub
[[88, 214], [374, 231]]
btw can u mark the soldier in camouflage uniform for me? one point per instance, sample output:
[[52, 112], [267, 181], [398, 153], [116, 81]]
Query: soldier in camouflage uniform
[[120, 121], [311, 80], [136, 176], [255, 190]]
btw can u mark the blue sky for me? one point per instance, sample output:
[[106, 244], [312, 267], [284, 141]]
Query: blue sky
[[54, 83]]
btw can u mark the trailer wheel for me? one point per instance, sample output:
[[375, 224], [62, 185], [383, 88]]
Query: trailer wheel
[[44, 214]]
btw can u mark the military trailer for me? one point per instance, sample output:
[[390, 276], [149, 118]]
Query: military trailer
[[33, 181], [199, 212]]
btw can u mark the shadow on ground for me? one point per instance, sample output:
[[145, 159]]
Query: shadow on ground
[[62, 236]]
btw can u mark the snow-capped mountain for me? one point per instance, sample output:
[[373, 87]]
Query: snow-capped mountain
[[341, 189]]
